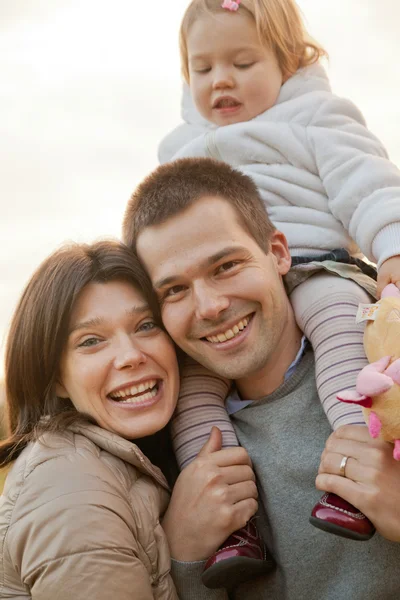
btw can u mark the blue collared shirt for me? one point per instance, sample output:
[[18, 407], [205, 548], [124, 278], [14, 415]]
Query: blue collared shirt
[[234, 403]]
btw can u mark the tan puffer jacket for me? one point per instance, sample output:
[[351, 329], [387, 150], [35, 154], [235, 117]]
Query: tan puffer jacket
[[80, 518]]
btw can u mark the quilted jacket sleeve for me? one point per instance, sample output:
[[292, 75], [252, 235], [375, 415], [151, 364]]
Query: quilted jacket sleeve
[[72, 535], [362, 185]]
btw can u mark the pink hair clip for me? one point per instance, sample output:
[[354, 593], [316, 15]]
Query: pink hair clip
[[231, 4]]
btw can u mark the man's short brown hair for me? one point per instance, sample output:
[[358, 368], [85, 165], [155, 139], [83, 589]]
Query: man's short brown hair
[[175, 186]]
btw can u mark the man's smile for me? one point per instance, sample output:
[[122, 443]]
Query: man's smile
[[220, 338]]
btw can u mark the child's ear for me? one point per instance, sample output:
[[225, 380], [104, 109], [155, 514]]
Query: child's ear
[[280, 249]]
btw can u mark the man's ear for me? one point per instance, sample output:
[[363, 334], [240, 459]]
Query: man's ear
[[280, 249]]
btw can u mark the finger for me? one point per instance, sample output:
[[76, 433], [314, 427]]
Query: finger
[[356, 450], [242, 491], [231, 456], [238, 473], [353, 470], [243, 511], [378, 456], [353, 492], [369, 453], [358, 433], [213, 444], [361, 474]]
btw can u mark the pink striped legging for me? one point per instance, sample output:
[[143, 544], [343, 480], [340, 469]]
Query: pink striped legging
[[325, 307]]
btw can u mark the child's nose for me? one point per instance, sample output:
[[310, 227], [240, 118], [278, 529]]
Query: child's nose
[[223, 78]]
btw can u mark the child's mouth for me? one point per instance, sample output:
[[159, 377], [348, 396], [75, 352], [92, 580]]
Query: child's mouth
[[227, 103]]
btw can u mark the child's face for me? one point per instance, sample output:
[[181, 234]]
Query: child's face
[[233, 77]]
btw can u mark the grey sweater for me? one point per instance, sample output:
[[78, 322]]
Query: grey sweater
[[285, 434]]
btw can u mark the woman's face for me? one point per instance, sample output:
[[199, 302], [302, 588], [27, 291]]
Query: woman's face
[[118, 366]]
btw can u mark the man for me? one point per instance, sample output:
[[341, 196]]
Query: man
[[215, 260]]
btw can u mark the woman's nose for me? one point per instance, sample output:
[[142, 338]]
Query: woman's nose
[[128, 354]]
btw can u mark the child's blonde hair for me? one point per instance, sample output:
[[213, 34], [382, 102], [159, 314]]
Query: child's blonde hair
[[279, 26]]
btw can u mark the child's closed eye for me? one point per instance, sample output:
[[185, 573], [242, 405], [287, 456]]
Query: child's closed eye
[[202, 71], [244, 66]]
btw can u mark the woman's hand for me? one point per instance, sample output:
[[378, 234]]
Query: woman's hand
[[389, 273], [372, 481], [213, 496]]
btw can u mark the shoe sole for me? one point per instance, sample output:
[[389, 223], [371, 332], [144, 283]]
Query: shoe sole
[[231, 572], [341, 531]]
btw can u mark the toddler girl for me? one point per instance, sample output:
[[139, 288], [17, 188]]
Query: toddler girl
[[257, 98]]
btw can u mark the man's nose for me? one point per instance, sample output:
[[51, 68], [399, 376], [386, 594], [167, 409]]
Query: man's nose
[[209, 303], [128, 353], [223, 78]]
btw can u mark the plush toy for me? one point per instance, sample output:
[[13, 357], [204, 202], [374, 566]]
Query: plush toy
[[378, 384], [378, 393]]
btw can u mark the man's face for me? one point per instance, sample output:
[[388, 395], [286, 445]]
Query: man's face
[[222, 298]]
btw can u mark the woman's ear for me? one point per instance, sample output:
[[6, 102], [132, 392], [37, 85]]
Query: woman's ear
[[60, 390], [280, 249]]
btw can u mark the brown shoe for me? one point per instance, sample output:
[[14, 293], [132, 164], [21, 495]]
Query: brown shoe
[[243, 556], [335, 515]]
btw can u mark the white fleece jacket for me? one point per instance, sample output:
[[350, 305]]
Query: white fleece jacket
[[325, 179]]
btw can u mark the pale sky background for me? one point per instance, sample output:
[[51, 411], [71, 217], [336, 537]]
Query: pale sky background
[[88, 88]]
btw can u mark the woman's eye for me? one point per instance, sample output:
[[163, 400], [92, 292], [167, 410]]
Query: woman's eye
[[147, 326], [89, 342]]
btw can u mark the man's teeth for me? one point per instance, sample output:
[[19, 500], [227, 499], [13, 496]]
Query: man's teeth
[[137, 393], [229, 334]]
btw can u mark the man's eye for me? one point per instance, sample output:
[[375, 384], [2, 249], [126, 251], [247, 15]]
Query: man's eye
[[227, 266], [89, 342], [173, 291]]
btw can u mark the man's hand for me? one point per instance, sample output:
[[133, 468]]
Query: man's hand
[[389, 273], [213, 496], [372, 481]]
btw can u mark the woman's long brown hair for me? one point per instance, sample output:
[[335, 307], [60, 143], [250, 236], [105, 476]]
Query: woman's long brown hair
[[39, 332]]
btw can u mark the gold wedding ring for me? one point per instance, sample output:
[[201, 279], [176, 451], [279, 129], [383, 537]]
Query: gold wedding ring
[[342, 470]]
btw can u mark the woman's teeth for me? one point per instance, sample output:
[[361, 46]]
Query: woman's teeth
[[137, 393], [230, 333]]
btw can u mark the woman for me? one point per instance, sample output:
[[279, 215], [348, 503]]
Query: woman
[[88, 369]]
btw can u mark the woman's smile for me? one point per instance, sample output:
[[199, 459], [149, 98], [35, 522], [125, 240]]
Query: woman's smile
[[138, 396]]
